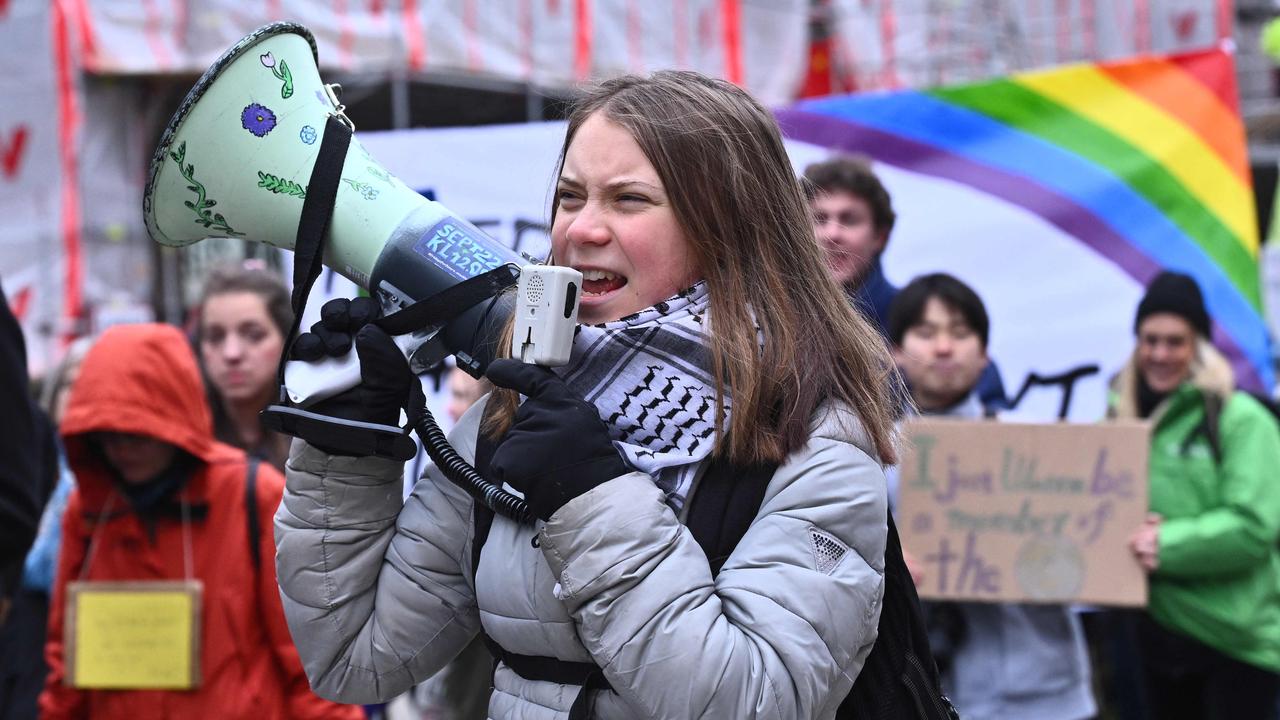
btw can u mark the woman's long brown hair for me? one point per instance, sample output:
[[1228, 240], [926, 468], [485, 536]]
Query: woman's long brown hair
[[731, 186]]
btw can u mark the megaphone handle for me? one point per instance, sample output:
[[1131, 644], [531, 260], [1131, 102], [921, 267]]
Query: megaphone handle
[[340, 435], [307, 383]]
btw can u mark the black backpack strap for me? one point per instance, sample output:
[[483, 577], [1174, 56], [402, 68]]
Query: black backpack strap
[[1213, 404], [586, 675], [251, 512], [899, 678], [481, 516], [1209, 427], [724, 504]]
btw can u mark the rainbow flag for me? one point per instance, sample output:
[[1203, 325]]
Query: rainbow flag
[[1143, 161]]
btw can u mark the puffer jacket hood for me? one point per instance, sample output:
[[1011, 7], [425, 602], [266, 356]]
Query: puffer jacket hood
[[119, 390]]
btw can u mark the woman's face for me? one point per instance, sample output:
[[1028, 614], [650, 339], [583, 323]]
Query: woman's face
[[240, 345], [138, 458], [1166, 351], [615, 225]]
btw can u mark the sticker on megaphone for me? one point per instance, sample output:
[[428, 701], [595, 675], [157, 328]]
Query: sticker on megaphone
[[546, 317]]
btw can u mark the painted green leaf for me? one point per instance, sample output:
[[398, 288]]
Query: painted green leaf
[[287, 90]]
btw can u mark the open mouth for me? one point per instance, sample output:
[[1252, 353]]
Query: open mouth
[[600, 282]]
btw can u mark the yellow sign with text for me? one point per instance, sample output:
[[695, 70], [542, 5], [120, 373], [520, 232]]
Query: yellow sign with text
[[133, 635]]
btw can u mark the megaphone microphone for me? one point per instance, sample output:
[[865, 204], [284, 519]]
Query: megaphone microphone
[[262, 149]]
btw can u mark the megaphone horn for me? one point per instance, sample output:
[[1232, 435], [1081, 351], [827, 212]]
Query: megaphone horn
[[236, 160], [265, 142]]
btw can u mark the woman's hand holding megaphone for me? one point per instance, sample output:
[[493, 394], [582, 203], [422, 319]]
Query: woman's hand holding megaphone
[[386, 383], [558, 447]]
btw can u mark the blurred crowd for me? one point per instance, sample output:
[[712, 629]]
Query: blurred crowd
[[142, 457]]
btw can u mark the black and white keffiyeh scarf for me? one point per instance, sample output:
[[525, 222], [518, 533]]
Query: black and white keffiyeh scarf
[[649, 375]]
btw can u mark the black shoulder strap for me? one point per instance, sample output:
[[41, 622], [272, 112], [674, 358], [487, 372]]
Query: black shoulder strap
[[899, 678], [482, 517], [313, 224], [724, 504], [1213, 404], [251, 512], [549, 669], [1209, 427]]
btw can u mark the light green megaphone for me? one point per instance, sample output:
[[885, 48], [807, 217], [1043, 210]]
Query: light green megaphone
[[236, 159]]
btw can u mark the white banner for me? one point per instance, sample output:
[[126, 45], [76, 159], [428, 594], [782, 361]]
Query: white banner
[[501, 178]]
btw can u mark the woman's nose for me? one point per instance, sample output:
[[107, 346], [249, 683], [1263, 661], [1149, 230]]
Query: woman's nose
[[232, 347], [587, 228]]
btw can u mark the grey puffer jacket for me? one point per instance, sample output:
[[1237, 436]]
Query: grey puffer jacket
[[379, 595]]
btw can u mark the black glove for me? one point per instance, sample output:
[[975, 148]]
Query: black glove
[[386, 383], [558, 447]]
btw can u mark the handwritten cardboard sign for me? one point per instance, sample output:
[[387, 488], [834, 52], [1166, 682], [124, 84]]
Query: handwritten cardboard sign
[[134, 635], [997, 511]]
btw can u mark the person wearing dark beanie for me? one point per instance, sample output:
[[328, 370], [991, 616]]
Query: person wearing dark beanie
[[1177, 294], [1209, 639]]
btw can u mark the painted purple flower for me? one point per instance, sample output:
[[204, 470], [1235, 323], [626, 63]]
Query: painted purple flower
[[258, 119], [308, 134], [268, 60]]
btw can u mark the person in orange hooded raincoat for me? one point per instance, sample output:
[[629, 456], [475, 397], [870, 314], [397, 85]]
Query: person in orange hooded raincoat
[[139, 438]]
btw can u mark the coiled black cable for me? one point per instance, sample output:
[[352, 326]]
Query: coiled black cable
[[461, 473]]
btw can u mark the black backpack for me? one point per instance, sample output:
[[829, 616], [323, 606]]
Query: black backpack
[[899, 680]]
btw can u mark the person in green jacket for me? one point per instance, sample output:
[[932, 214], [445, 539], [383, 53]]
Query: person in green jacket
[[1210, 639]]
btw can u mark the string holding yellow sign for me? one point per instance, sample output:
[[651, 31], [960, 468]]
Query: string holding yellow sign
[[134, 635]]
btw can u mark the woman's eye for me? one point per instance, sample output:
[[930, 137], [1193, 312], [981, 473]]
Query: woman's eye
[[566, 196]]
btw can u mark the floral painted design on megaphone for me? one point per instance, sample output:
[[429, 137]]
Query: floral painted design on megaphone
[[258, 119], [204, 216], [281, 71]]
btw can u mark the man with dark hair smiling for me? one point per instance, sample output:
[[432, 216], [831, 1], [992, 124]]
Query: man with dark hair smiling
[[999, 661], [853, 217], [938, 329]]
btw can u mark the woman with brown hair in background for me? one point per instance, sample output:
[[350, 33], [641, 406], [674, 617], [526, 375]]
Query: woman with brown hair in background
[[243, 318]]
